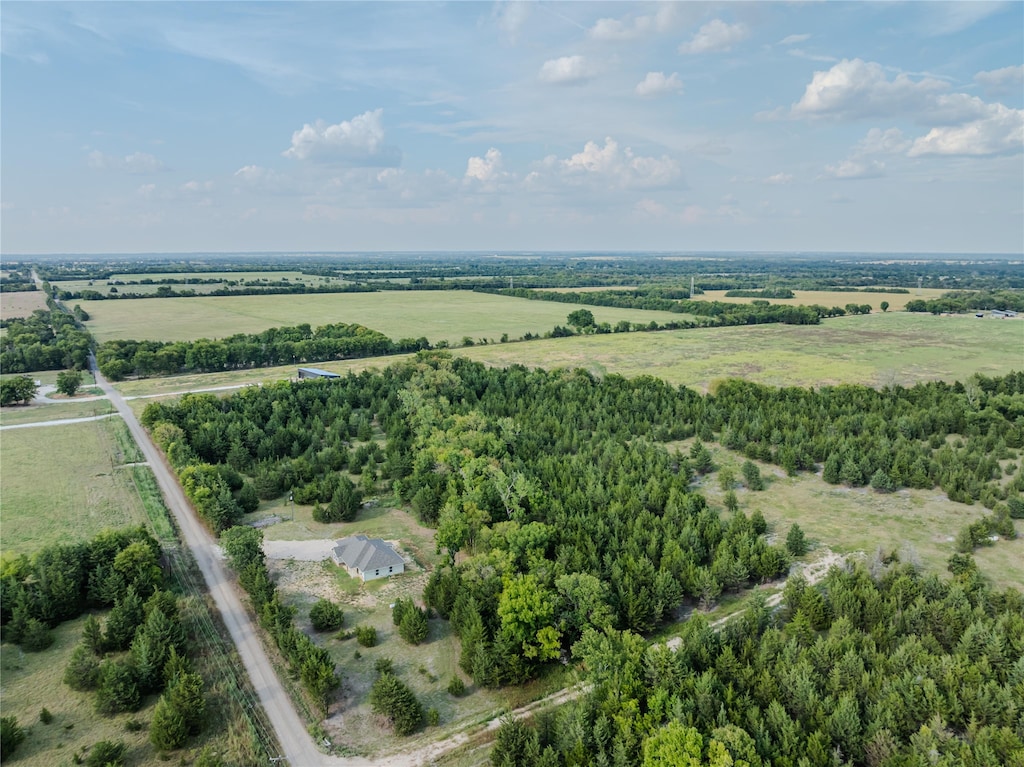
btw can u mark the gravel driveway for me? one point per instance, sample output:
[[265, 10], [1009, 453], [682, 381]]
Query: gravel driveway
[[305, 551]]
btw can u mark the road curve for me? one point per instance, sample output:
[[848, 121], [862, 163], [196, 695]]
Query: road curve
[[289, 728]]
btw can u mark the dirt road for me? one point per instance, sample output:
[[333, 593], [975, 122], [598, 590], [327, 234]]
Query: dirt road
[[288, 727]]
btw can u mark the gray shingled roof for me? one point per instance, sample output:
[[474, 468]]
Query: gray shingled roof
[[366, 553]]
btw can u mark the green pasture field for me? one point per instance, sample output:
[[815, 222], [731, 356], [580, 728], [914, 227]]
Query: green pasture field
[[63, 483], [17, 414], [438, 315], [833, 298], [875, 350], [21, 304], [103, 286], [858, 519]]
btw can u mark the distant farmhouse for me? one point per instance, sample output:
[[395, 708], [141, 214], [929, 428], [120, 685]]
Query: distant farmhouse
[[367, 558], [316, 373]]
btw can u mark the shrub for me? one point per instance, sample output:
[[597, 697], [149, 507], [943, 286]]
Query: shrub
[[11, 736], [456, 687], [83, 670], [366, 635], [326, 616], [37, 636], [118, 688], [45, 716], [168, 730], [106, 754], [391, 697], [796, 543]]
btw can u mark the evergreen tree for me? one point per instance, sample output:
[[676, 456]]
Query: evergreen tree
[[796, 543]]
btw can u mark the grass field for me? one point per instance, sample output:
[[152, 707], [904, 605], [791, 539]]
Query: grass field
[[103, 286], [834, 298], [64, 483], [849, 520], [21, 304], [438, 315], [52, 412], [876, 349]]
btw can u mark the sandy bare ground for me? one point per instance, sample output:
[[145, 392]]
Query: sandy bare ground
[[302, 551]]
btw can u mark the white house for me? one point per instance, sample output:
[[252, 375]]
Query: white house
[[367, 558]]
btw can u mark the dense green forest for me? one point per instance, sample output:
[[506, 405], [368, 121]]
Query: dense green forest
[[889, 668], [958, 301], [48, 340], [558, 508]]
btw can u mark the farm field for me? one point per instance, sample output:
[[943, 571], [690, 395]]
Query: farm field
[[857, 519], [438, 315], [103, 285], [833, 298], [65, 483], [875, 350], [21, 304]]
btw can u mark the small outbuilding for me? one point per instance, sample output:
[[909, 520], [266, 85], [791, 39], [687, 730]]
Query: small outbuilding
[[316, 373], [367, 558]]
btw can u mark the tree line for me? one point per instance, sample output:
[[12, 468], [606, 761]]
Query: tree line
[[275, 346], [958, 301]]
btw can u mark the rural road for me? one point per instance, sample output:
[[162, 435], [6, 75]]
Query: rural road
[[290, 730]]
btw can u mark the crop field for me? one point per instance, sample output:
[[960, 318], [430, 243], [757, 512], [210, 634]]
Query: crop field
[[833, 298], [875, 349], [438, 315], [21, 304], [242, 278], [858, 519], [65, 483]]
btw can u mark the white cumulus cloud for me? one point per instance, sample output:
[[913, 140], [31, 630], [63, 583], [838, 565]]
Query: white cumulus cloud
[[854, 89], [878, 141], [357, 142], [487, 169], [779, 178], [715, 36], [567, 70], [1000, 131], [621, 167], [1008, 79], [656, 84]]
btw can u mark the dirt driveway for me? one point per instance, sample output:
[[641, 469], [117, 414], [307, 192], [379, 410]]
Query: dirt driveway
[[303, 551]]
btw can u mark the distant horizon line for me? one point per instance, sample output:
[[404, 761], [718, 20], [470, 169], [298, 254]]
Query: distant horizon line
[[521, 253]]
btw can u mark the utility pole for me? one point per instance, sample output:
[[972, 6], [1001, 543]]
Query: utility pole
[[691, 287]]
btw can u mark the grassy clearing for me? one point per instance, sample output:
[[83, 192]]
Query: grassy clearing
[[21, 304], [438, 315], [53, 411], [875, 350], [49, 377], [64, 483], [848, 520], [34, 680], [833, 298]]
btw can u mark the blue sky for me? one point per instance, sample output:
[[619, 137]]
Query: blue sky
[[170, 127]]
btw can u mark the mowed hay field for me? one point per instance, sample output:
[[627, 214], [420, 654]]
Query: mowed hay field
[[439, 315], [834, 298], [21, 304], [243, 278], [875, 349], [64, 483]]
